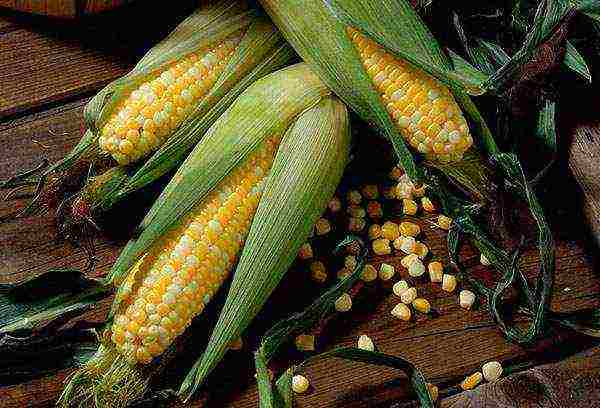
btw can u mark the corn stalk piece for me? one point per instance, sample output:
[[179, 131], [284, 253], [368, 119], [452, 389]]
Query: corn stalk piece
[[253, 185], [383, 62], [144, 123]]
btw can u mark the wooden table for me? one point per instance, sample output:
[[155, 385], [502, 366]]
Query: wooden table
[[50, 69]]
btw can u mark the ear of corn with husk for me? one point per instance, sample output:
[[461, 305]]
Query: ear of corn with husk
[[380, 58], [191, 238], [155, 114]]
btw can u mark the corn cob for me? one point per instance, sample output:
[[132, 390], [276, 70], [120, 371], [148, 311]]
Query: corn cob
[[152, 111], [202, 219], [423, 109], [141, 126], [190, 264]]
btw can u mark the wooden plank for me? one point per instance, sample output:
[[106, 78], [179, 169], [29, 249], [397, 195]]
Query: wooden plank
[[55, 60]]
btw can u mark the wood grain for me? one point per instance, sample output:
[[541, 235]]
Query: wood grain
[[47, 73]]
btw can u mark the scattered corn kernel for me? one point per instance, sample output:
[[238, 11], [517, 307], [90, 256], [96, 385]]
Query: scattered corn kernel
[[356, 224], [305, 342], [370, 191], [409, 207], [436, 271], [397, 243], [421, 250], [389, 193], [409, 229], [433, 391], [365, 343], [374, 231], [404, 190], [466, 298], [492, 371], [386, 272], [419, 190], [318, 272], [471, 381], [382, 246], [356, 211], [416, 268], [396, 173], [401, 311], [350, 262], [343, 303], [300, 384], [409, 295], [374, 209], [369, 273], [322, 226], [400, 287], [444, 222], [408, 245], [421, 305], [390, 231], [354, 197], [483, 260], [408, 259], [427, 204], [448, 282], [306, 251], [237, 344], [334, 205]]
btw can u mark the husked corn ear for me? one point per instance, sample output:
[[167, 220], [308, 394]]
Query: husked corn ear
[[188, 266], [152, 111], [422, 108]]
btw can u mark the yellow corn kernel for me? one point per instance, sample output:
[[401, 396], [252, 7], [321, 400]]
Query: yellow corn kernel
[[184, 272], [305, 342], [382, 246], [354, 197], [433, 391], [305, 251], [448, 282], [334, 205], [300, 384], [409, 229], [356, 211], [408, 260], [471, 381], [389, 230], [409, 207], [365, 343], [421, 250], [436, 271], [400, 287], [370, 191], [369, 273], [421, 305], [427, 204], [318, 272], [444, 222], [409, 90], [374, 210], [322, 226], [401, 311], [343, 303], [141, 121], [374, 231], [386, 272], [466, 298]]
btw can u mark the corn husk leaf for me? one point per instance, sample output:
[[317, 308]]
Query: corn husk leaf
[[305, 173], [263, 110], [575, 62], [204, 27], [317, 31], [261, 51], [47, 301]]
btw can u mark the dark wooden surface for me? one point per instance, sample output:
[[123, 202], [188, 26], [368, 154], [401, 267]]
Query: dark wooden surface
[[48, 71]]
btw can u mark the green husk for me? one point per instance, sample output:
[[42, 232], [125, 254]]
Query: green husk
[[317, 31], [263, 110], [261, 51], [307, 168]]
